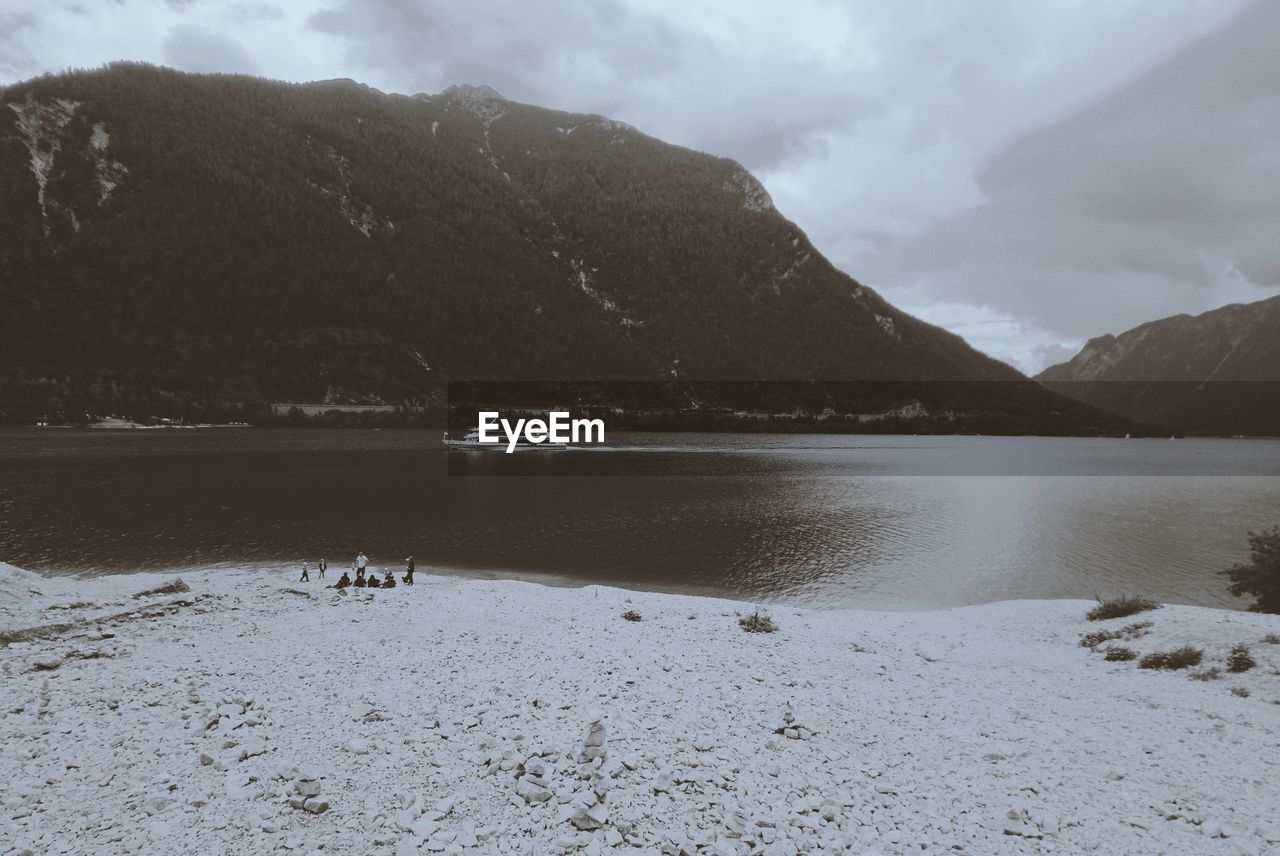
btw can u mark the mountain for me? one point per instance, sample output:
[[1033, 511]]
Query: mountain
[[169, 239], [1215, 373]]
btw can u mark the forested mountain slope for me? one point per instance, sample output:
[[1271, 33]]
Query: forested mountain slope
[[211, 239], [1214, 373]]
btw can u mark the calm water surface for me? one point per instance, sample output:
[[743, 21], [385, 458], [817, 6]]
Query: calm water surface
[[893, 522]]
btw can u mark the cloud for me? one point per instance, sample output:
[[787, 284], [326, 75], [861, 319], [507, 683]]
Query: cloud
[[1157, 199], [685, 78], [193, 47], [245, 13], [15, 29]]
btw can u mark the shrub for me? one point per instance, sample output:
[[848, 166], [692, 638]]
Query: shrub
[[1206, 674], [1129, 631], [1117, 654], [631, 615], [1260, 576], [1120, 607], [1093, 640], [1240, 660], [757, 623], [1271, 639], [1181, 658], [175, 587], [1243, 692]]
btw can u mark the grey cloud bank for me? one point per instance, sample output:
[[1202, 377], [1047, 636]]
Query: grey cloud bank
[[1160, 198], [191, 47], [1027, 175]]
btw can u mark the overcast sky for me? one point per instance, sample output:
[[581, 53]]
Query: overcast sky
[[1026, 174]]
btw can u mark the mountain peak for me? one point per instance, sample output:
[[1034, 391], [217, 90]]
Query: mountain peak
[[483, 102], [468, 93]]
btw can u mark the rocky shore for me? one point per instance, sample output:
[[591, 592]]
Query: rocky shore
[[228, 715]]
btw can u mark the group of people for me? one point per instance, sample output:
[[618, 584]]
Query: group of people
[[321, 568], [363, 577]]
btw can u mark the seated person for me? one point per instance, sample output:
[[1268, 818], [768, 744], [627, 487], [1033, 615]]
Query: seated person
[[372, 581], [343, 581], [360, 581], [388, 580]]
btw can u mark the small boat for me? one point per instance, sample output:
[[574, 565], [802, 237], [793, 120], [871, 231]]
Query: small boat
[[471, 443]]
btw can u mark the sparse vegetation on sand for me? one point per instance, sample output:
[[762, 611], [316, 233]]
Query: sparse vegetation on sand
[[1179, 658], [175, 587], [1128, 632], [1120, 607], [1119, 654], [1240, 660], [757, 622]]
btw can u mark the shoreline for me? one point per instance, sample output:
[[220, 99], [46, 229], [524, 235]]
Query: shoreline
[[451, 717], [278, 571], [752, 428]]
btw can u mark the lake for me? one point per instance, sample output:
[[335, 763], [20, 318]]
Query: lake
[[822, 520]]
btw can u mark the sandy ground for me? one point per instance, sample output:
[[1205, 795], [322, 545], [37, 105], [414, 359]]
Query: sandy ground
[[251, 715]]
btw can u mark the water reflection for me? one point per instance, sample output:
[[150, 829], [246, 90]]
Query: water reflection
[[826, 521]]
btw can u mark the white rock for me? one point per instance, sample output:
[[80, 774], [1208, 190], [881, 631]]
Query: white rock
[[423, 827], [532, 793], [252, 747], [307, 789], [155, 805], [599, 813]]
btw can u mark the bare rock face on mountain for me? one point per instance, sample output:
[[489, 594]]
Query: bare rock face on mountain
[[221, 239], [1215, 373]]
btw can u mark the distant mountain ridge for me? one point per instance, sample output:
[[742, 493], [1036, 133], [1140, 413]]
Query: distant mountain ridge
[[1239, 342], [1217, 372], [210, 238]]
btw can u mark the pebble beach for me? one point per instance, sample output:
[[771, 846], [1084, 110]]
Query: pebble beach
[[220, 713]]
